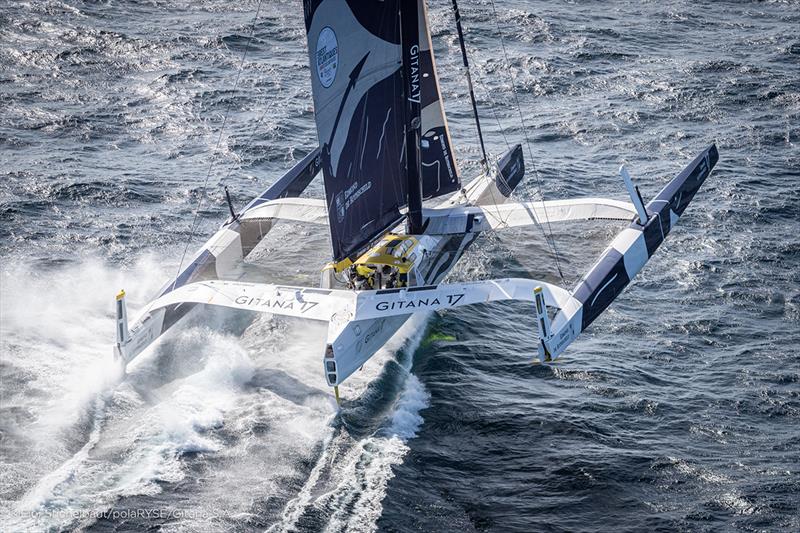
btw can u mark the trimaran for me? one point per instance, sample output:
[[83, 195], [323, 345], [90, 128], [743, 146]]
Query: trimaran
[[384, 147]]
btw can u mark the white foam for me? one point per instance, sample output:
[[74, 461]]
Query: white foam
[[140, 432], [144, 447], [351, 477], [406, 419], [60, 325], [365, 481]]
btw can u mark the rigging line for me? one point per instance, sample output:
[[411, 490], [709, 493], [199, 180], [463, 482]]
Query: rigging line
[[504, 221], [502, 131], [216, 147], [498, 174], [488, 96], [550, 241], [492, 106], [485, 160], [250, 137]]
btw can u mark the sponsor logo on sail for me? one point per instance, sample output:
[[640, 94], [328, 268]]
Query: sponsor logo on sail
[[340, 209], [327, 59], [413, 93], [346, 198]]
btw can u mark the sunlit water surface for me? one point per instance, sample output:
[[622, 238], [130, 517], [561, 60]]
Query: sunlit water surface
[[679, 409]]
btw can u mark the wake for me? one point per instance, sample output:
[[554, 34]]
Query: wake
[[238, 404]]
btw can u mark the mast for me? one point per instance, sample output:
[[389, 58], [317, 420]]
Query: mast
[[469, 81], [412, 97]]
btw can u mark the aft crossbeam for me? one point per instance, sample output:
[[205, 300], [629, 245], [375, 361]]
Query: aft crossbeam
[[473, 219]]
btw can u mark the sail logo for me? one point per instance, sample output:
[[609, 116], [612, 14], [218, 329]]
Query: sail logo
[[327, 59], [340, 209], [346, 198], [413, 93], [354, 192]]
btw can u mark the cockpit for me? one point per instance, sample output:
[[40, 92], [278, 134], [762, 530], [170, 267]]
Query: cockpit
[[387, 265]]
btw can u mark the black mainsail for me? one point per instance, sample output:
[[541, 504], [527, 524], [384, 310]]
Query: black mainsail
[[357, 79]]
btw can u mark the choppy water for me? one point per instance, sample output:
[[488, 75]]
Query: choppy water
[[678, 410]]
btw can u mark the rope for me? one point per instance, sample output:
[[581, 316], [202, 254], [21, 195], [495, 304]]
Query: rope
[[550, 240], [488, 96], [484, 162], [250, 137], [216, 147]]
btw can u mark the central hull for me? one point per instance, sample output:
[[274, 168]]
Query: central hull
[[352, 343], [356, 342]]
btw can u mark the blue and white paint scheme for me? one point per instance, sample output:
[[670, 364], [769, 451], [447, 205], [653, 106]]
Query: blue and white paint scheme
[[384, 146], [360, 322], [628, 253]]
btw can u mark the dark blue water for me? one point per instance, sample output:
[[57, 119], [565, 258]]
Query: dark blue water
[[677, 410]]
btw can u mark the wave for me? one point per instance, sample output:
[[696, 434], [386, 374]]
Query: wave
[[221, 390]]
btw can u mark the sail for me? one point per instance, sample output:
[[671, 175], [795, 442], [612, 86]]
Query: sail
[[356, 80], [439, 172]]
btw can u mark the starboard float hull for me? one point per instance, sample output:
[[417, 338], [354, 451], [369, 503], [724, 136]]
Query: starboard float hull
[[626, 255]]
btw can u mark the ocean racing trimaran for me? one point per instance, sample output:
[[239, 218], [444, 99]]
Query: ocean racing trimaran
[[384, 148]]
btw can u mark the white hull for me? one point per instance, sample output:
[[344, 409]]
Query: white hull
[[221, 254], [361, 321]]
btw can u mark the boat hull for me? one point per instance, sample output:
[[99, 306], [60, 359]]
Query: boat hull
[[353, 343]]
